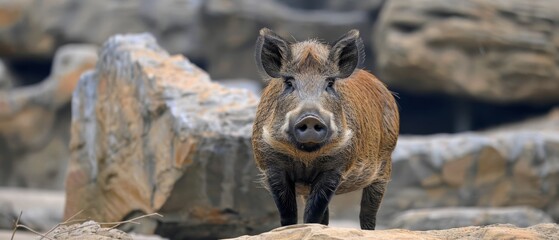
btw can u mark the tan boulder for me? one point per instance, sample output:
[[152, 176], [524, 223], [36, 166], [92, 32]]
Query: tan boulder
[[496, 51], [152, 133]]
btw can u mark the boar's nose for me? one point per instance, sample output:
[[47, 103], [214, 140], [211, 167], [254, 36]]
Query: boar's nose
[[310, 129]]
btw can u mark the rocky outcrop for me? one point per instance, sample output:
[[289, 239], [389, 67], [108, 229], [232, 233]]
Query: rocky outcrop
[[497, 51], [446, 218], [33, 125], [509, 168], [217, 33], [315, 231], [152, 133]]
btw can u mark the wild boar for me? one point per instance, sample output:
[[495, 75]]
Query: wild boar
[[323, 126]]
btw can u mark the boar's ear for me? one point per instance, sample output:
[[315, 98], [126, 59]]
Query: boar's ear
[[271, 52], [348, 53]]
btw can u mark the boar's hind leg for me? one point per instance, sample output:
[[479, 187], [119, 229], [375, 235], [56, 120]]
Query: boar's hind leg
[[322, 190], [370, 202], [283, 191]]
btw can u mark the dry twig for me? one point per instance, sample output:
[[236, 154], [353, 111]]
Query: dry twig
[[133, 219], [15, 225], [33, 231]]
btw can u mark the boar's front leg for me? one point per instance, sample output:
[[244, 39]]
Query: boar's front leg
[[322, 190], [282, 188], [370, 202], [325, 217]]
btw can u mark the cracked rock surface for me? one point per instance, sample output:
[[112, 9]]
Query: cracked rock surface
[[152, 133]]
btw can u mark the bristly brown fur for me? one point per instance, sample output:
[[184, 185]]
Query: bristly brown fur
[[309, 55], [376, 126]]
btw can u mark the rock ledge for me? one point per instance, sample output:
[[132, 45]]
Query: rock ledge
[[498, 231]]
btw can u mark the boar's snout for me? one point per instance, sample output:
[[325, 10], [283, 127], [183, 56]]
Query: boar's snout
[[310, 130]]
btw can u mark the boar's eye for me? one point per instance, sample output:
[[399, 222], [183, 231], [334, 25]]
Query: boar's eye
[[288, 80], [330, 83]]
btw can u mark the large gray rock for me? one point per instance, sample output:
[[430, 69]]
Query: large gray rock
[[446, 218], [152, 133], [38, 28], [34, 120], [497, 51], [510, 168]]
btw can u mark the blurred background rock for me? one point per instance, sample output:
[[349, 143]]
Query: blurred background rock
[[476, 80]]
